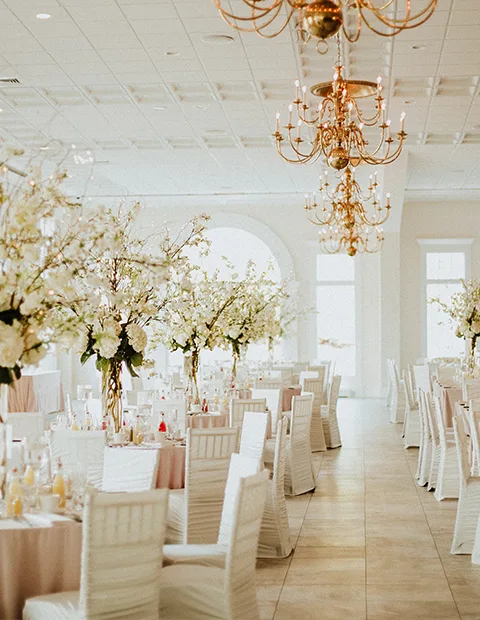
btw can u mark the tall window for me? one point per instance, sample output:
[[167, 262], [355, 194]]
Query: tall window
[[444, 265], [336, 311]]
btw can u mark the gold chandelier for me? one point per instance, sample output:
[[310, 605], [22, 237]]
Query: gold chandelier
[[322, 19], [338, 125], [349, 221]]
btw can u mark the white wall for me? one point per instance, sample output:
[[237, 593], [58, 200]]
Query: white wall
[[429, 220]]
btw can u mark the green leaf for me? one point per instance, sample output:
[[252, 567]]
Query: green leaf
[[136, 359], [102, 363], [86, 355]]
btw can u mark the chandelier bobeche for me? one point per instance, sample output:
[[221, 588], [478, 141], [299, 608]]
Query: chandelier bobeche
[[349, 221], [322, 19], [338, 125]]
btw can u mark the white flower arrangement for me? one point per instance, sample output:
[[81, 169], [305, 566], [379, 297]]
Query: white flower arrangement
[[464, 313], [44, 242]]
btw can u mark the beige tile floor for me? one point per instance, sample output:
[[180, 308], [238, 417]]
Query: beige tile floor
[[369, 542]]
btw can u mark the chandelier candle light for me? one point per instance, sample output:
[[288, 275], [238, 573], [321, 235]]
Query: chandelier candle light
[[342, 214], [338, 124], [322, 19]]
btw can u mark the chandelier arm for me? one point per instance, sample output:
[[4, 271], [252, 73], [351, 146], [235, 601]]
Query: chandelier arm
[[372, 120], [398, 25], [392, 21], [251, 4], [271, 36], [226, 16]]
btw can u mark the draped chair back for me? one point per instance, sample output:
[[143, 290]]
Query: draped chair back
[[333, 394], [409, 390], [241, 466], [442, 433], [299, 366], [238, 406], [122, 554], [432, 406], [301, 416], [461, 443], [314, 386], [422, 378], [254, 434], [80, 450], [470, 389], [311, 374], [242, 549], [274, 402], [206, 470], [28, 424], [473, 416], [129, 470], [269, 383]]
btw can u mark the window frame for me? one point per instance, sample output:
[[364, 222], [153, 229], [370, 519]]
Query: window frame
[[440, 246]]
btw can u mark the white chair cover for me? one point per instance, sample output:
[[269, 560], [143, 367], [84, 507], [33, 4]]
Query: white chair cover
[[194, 512], [473, 416], [269, 383], [422, 378], [238, 406], [317, 437], [397, 406], [299, 470], [425, 452], [329, 415], [254, 434], [30, 424], [129, 469], [468, 508], [470, 389], [80, 451], [274, 401], [411, 427], [448, 477], [122, 557], [227, 593], [275, 541]]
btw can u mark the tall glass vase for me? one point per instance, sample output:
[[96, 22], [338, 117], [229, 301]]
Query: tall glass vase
[[3, 437], [471, 362], [112, 394], [191, 364]]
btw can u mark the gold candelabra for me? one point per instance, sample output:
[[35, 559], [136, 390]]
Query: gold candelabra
[[349, 220], [322, 19], [338, 125]]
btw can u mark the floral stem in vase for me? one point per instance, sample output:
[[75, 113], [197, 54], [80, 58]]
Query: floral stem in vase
[[194, 374], [471, 356], [112, 394]]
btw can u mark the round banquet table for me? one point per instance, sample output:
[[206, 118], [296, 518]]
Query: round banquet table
[[207, 420], [37, 560], [449, 395]]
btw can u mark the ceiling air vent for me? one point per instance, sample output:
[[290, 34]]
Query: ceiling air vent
[[9, 80]]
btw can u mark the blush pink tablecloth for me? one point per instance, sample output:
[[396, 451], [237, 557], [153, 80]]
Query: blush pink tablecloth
[[207, 420], [287, 394], [36, 561], [171, 468], [39, 391], [449, 395]]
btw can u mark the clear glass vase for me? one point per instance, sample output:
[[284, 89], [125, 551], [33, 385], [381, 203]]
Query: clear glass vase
[[471, 364], [3, 438], [112, 395]]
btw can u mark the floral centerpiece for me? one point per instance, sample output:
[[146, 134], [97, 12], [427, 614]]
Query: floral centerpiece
[[257, 315], [123, 293], [464, 312], [44, 241], [196, 317]]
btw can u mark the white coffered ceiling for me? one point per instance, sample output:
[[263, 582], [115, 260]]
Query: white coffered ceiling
[[133, 85]]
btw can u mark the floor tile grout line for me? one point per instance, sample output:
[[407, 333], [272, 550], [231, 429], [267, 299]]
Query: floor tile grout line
[[418, 490]]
